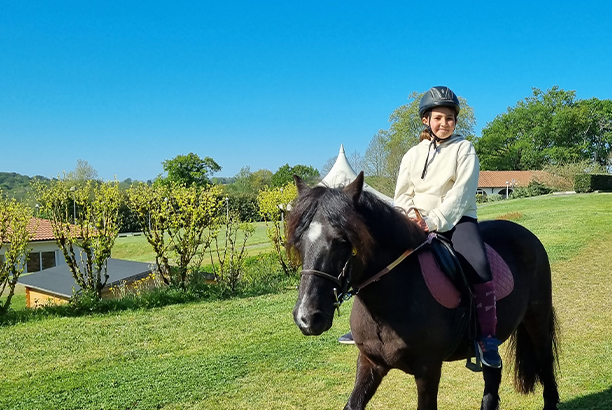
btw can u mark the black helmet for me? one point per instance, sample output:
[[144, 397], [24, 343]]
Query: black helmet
[[438, 96]]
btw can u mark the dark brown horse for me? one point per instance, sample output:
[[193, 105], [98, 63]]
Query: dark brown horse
[[344, 237]]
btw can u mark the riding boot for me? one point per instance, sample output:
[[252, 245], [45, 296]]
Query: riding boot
[[486, 312], [346, 339]]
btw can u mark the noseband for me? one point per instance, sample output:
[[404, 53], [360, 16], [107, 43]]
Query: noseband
[[343, 281]]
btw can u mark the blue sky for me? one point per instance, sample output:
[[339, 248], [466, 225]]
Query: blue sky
[[126, 85]]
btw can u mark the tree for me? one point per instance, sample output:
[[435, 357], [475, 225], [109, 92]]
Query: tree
[[548, 128], [84, 219], [387, 147], [249, 183], [189, 170], [150, 204], [597, 131], [273, 205], [230, 250], [83, 172], [179, 222], [375, 155], [15, 239], [329, 164], [284, 175]]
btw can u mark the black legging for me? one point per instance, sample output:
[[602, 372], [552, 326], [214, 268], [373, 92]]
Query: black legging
[[467, 242]]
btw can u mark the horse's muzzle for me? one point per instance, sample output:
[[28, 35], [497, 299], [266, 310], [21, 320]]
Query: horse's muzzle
[[311, 323]]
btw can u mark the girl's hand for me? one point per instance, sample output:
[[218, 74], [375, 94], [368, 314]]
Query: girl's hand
[[423, 225]]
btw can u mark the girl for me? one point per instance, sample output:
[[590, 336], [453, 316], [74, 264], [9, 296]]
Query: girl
[[439, 177]]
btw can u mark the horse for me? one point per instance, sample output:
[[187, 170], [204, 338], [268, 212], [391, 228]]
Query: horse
[[347, 240]]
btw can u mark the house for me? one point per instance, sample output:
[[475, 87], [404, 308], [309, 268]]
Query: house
[[47, 277], [503, 182], [56, 284], [45, 253]]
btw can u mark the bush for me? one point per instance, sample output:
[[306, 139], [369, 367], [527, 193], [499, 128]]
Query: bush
[[246, 206], [262, 275], [562, 176], [593, 182], [128, 219], [534, 188], [494, 198]]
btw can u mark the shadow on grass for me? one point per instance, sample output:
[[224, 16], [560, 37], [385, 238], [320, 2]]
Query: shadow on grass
[[595, 401]]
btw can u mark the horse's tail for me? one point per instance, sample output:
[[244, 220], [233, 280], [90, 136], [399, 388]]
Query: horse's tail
[[529, 366]]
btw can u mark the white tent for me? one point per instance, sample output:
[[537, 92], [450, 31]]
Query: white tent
[[343, 174]]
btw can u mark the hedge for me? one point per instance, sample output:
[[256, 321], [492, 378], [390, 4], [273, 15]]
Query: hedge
[[593, 182]]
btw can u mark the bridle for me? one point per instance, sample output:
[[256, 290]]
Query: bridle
[[343, 280]]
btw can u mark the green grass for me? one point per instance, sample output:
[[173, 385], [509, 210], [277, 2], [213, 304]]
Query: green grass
[[136, 248], [248, 354]]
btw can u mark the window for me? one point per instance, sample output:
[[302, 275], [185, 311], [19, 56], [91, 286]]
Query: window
[[33, 262], [48, 260], [40, 260]]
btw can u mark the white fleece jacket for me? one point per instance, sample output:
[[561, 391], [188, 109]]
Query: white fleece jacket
[[448, 191]]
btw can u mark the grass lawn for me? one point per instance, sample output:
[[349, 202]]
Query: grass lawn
[[136, 248], [247, 353]]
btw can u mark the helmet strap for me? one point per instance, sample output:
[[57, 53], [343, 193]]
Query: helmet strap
[[435, 138], [434, 141], [435, 146]]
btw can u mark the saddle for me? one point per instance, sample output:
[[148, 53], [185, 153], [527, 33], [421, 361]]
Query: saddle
[[447, 260], [445, 277], [447, 283]]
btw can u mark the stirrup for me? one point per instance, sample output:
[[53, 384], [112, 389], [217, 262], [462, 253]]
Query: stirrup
[[476, 365]]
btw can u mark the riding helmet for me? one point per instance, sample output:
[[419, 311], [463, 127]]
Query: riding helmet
[[438, 96]]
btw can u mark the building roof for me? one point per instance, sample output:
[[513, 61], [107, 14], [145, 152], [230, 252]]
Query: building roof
[[342, 174], [59, 281], [44, 230], [496, 179]]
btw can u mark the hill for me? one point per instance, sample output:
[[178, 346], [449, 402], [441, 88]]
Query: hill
[[17, 186]]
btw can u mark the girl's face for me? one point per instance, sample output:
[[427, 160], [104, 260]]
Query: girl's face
[[442, 121]]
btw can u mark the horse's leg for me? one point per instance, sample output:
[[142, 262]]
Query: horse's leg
[[427, 383], [492, 379], [369, 376]]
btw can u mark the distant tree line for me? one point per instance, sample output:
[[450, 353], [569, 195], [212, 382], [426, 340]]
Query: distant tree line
[[550, 130]]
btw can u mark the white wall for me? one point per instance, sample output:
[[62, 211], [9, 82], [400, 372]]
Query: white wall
[[46, 246], [497, 190]]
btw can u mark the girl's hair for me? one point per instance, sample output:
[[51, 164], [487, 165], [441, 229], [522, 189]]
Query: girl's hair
[[425, 135]]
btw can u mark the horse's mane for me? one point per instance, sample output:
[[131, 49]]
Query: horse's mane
[[368, 223]]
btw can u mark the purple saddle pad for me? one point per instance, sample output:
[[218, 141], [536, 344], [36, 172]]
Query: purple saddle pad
[[446, 294]]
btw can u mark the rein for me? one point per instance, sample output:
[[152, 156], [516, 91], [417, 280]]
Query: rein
[[343, 281], [396, 262]]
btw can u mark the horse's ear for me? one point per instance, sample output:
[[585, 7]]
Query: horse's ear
[[355, 188], [302, 187]]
